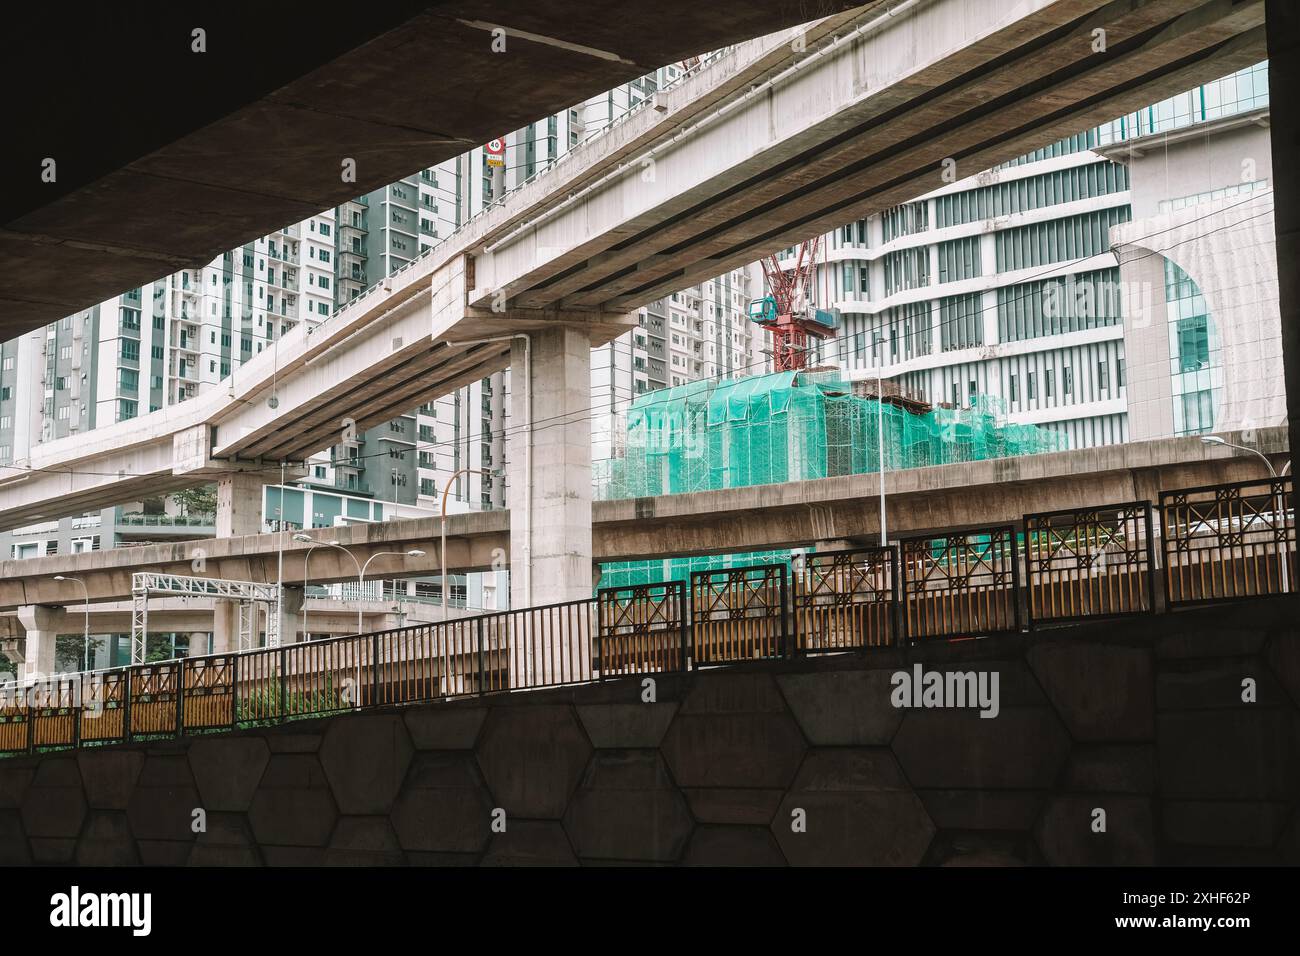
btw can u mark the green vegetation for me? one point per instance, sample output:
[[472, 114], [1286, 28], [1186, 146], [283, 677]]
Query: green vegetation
[[198, 501], [266, 703]]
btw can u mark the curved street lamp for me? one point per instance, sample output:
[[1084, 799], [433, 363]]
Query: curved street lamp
[[86, 630], [361, 568], [1278, 503], [446, 489]]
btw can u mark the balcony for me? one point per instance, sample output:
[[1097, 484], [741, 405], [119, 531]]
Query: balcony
[[284, 280]]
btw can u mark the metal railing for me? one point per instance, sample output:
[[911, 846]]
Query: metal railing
[[1223, 542], [845, 600], [126, 519], [739, 614], [960, 584], [1093, 562], [641, 629], [1229, 541]]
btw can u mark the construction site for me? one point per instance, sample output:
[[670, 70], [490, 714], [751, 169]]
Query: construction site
[[794, 424], [790, 426]]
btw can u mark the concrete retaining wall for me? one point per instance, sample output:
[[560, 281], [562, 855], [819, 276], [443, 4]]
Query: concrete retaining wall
[[1144, 721]]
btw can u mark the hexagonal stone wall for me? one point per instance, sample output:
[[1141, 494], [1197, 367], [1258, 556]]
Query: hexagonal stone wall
[[532, 758], [626, 725], [1142, 719], [843, 708], [364, 841], [106, 840], [443, 806], [228, 769], [227, 841], [732, 846], [1101, 691], [1023, 748], [365, 758], [293, 805], [626, 808], [109, 775], [734, 731], [1068, 832], [54, 806], [531, 843], [853, 808]]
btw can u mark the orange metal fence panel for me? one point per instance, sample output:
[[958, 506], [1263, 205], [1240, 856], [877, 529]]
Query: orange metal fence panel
[[845, 600], [1223, 542]]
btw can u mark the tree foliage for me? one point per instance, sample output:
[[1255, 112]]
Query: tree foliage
[[200, 501]]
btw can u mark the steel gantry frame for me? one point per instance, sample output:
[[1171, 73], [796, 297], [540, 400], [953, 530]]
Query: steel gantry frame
[[248, 593]]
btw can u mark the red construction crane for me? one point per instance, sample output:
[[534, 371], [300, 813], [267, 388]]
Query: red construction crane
[[788, 311]]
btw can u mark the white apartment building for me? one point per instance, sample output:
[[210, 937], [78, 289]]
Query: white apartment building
[[1005, 283], [149, 348]]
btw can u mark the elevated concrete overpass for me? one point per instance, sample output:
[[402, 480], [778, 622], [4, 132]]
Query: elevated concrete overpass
[[377, 357], [770, 135], [785, 137], [199, 615], [942, 497], [285, 98]]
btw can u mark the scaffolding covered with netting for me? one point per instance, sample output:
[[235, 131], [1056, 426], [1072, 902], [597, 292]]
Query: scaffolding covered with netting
[[789, 426]]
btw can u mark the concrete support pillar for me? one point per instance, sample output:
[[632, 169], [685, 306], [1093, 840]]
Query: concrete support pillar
[[1283, 26], [291, 614], [225, 626], [550, 484], [198, 644], [43, 624], [239, 505]]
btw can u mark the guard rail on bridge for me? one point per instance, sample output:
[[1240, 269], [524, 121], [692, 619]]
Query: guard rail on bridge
[[1216, 543]]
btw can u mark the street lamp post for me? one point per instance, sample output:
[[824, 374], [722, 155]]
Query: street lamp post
[[1278, 501], [86, 629], [446, 582], [361, 576], [361, 568], [880, 447], [361, 583], [306, 562]]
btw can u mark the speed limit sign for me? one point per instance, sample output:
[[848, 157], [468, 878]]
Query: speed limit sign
[[496, 152]]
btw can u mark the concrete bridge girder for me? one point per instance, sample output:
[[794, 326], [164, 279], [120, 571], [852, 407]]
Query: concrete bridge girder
[[922, 500], [477, 541]]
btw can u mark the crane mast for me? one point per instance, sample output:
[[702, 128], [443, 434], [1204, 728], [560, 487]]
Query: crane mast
[[787, 312]]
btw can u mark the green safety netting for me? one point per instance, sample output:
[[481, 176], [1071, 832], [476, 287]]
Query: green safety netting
[[788, 426]]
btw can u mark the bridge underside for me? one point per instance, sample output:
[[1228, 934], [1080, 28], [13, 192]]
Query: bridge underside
[[264, 144], [749, 157], [863, 124]]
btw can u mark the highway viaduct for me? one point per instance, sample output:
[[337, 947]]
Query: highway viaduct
[[822, 512], [786, 136]]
